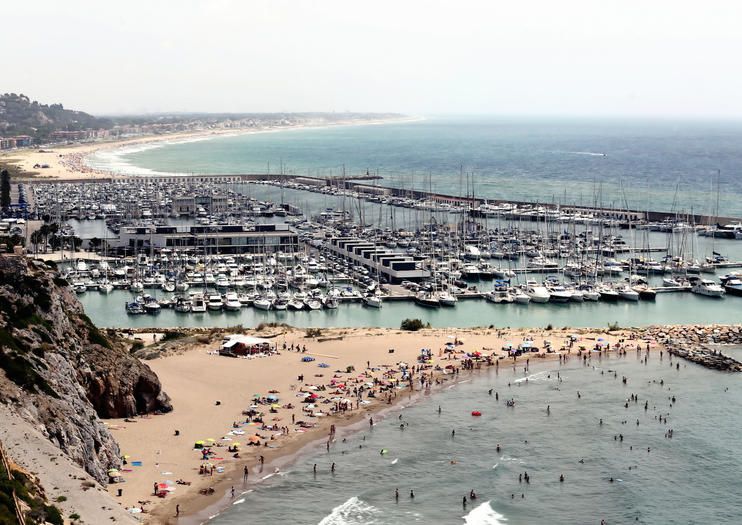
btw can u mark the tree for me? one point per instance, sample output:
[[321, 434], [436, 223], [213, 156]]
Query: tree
[[5, 190]]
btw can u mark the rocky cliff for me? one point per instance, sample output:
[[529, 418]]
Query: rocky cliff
[[62, 374]]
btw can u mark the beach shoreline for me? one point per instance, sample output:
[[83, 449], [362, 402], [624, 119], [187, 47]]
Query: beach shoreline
[[191, 374], [67, 162]]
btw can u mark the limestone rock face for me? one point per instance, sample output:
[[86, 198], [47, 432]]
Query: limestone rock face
[[62, 374]]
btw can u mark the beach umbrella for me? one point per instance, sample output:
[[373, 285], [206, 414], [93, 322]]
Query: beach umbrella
[[256, 395], [235, 444], [323, 365], [254, 439], [211, 440], [125, 457], [272, 397], [601, 339]]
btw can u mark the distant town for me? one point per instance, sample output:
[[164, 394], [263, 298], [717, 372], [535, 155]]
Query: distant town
[[26, 123]]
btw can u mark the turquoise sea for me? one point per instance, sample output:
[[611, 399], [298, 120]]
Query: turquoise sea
[[658, 165]]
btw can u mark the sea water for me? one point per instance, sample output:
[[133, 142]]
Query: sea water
[[689, 478], [655, 165]]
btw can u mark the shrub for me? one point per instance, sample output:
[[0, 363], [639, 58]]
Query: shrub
[[172, 335], [613, 326], [313, 332], [138, 345], [411, 325], [549, 327]]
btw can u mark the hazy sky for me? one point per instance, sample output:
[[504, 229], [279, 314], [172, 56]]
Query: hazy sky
[[597, 57]]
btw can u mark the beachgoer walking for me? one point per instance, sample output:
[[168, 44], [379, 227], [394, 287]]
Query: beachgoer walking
[[233, 491], [177, 510]]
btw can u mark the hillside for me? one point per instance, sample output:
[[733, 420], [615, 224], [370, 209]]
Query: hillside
[[19, 115], [60, 373]]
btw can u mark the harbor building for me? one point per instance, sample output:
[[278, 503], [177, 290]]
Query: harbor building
[[221, 239], [395, 267]]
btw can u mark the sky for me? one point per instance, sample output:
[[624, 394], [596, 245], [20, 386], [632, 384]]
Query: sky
[[652, 58]]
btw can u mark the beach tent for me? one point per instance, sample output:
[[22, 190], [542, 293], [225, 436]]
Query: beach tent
[[306, 359], [323, 365]]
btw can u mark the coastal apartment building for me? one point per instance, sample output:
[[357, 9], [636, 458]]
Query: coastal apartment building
[[394, 266], [222, 239], [21, 141]]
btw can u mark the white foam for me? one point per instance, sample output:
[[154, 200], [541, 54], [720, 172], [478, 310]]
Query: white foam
[[395, 461], [484, 514], [538, 376], [354, 511], [241, 500]]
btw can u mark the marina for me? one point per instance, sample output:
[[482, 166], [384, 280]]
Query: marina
[[250, 253]]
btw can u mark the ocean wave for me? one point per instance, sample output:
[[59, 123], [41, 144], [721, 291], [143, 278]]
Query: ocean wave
[[484, 514], [539, 376], [353, 511]]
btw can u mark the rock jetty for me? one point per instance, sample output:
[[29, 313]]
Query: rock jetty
[[689, 342]]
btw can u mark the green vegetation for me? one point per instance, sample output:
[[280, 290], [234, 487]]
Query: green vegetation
[[313, 332], [94, 335], [613, 326], [25, 490], [21, 372], [549, 327], [138, 345], [411, 325], [173, 335], [27, 117]]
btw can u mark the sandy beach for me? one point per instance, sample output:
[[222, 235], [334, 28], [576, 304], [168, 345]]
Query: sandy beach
[[210, 392], [67, 162]]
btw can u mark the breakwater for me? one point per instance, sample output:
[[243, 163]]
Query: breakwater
[[357, 183], [688, 342]]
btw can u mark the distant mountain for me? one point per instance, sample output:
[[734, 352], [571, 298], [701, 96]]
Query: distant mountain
[[19, 115]]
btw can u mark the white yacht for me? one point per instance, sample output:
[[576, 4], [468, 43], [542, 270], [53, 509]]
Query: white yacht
[[520, 297], [262, 303], [198, 304], [708, 288], [559, 294], [232, 303], [537, 292], [627, 293], [215, 302]]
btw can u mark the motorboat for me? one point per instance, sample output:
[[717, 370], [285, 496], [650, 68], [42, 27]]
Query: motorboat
[[537, 292], [215, 302], [231, 302], [708, 288], [733, 286], [262, 303], [627, 293], [198, 304], [559, 294], [520, 297]]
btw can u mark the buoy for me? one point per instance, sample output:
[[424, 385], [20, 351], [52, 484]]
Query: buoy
[[476, 413], [384, 451]]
